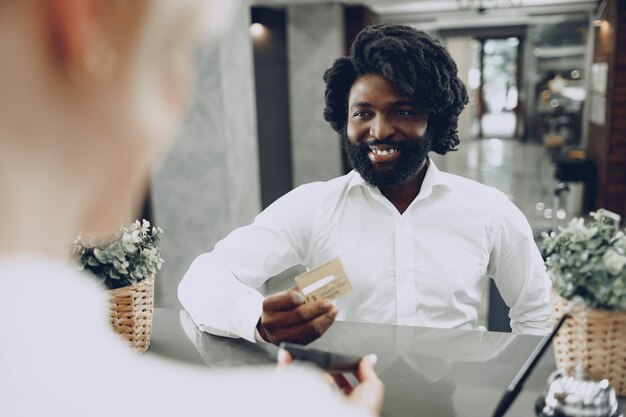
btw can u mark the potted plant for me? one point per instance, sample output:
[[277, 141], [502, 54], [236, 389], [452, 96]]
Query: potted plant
[[126, 264], [589, 260]]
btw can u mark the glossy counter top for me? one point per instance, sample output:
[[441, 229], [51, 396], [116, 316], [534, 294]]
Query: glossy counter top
[[427, 372]]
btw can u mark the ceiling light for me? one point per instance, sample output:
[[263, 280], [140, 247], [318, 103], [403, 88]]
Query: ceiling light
[[257, 30]]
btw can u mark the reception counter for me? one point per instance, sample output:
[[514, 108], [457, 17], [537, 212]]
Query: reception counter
[[427, 372]]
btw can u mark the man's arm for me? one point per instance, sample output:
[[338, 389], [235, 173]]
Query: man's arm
[[217, 301], [518, 270], [219, 289]]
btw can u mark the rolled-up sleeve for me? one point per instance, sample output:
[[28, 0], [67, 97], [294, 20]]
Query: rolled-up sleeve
[[519, 273], [219, 291]]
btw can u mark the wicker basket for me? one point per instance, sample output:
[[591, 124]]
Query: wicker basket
[[131, 313], [604, 346]]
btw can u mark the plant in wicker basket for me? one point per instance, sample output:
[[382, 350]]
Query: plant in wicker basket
[[126, 264], [589, 260]]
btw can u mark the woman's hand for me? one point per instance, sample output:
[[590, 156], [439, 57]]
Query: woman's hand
[[368, 394]]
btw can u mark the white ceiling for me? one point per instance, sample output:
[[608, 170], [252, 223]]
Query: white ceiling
[[439, 6], [446, 14]]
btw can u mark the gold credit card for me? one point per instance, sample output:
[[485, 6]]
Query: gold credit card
[[326, 282]]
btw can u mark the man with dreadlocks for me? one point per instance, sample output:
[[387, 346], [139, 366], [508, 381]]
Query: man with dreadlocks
[[418, 244]]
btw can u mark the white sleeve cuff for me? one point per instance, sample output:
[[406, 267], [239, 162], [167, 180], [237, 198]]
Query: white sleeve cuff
[[259, 339], [245, 314]]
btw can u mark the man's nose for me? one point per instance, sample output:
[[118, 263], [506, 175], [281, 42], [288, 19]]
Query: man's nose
[[381, 128]]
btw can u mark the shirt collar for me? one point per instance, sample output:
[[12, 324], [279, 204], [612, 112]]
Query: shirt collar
[[433, 178]]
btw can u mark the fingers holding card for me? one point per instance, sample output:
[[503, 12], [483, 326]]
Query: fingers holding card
[[302, 314]]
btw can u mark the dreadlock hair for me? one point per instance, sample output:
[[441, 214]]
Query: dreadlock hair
[[416, 63]]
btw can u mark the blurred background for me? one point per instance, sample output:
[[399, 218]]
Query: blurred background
[[546, 122]]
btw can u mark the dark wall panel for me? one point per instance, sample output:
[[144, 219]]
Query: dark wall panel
[[272, 99], [607, 142]]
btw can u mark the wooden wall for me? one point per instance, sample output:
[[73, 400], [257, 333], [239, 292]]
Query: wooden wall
[[606, 143]]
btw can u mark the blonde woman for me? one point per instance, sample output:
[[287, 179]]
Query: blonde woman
[[90, 93]]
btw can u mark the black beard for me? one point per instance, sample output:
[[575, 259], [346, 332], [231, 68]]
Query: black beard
[[413, 154]]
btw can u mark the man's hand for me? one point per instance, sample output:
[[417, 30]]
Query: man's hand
[[287, 318]]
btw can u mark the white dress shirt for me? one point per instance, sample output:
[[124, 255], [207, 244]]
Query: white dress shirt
[[60, 357], [425, 267]]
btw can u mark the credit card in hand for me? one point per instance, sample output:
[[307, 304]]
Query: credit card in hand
[[326, 282]]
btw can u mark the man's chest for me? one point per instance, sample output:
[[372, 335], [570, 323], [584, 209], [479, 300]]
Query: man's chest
[[424, 256]]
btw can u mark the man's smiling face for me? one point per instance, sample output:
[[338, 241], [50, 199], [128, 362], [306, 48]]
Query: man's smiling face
[[385, 136]]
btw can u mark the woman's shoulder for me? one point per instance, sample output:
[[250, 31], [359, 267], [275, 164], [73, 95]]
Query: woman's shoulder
[[50, 300]]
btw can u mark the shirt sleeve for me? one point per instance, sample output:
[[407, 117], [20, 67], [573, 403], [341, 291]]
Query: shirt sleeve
[[519, 273], [219, 291]]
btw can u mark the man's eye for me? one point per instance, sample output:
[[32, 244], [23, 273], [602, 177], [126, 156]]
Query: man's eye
[[360, 114], [405, 113]]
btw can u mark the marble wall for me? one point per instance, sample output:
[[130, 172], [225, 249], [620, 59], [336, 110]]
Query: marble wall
[[209, 184], [460, 49], [315, 36]]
